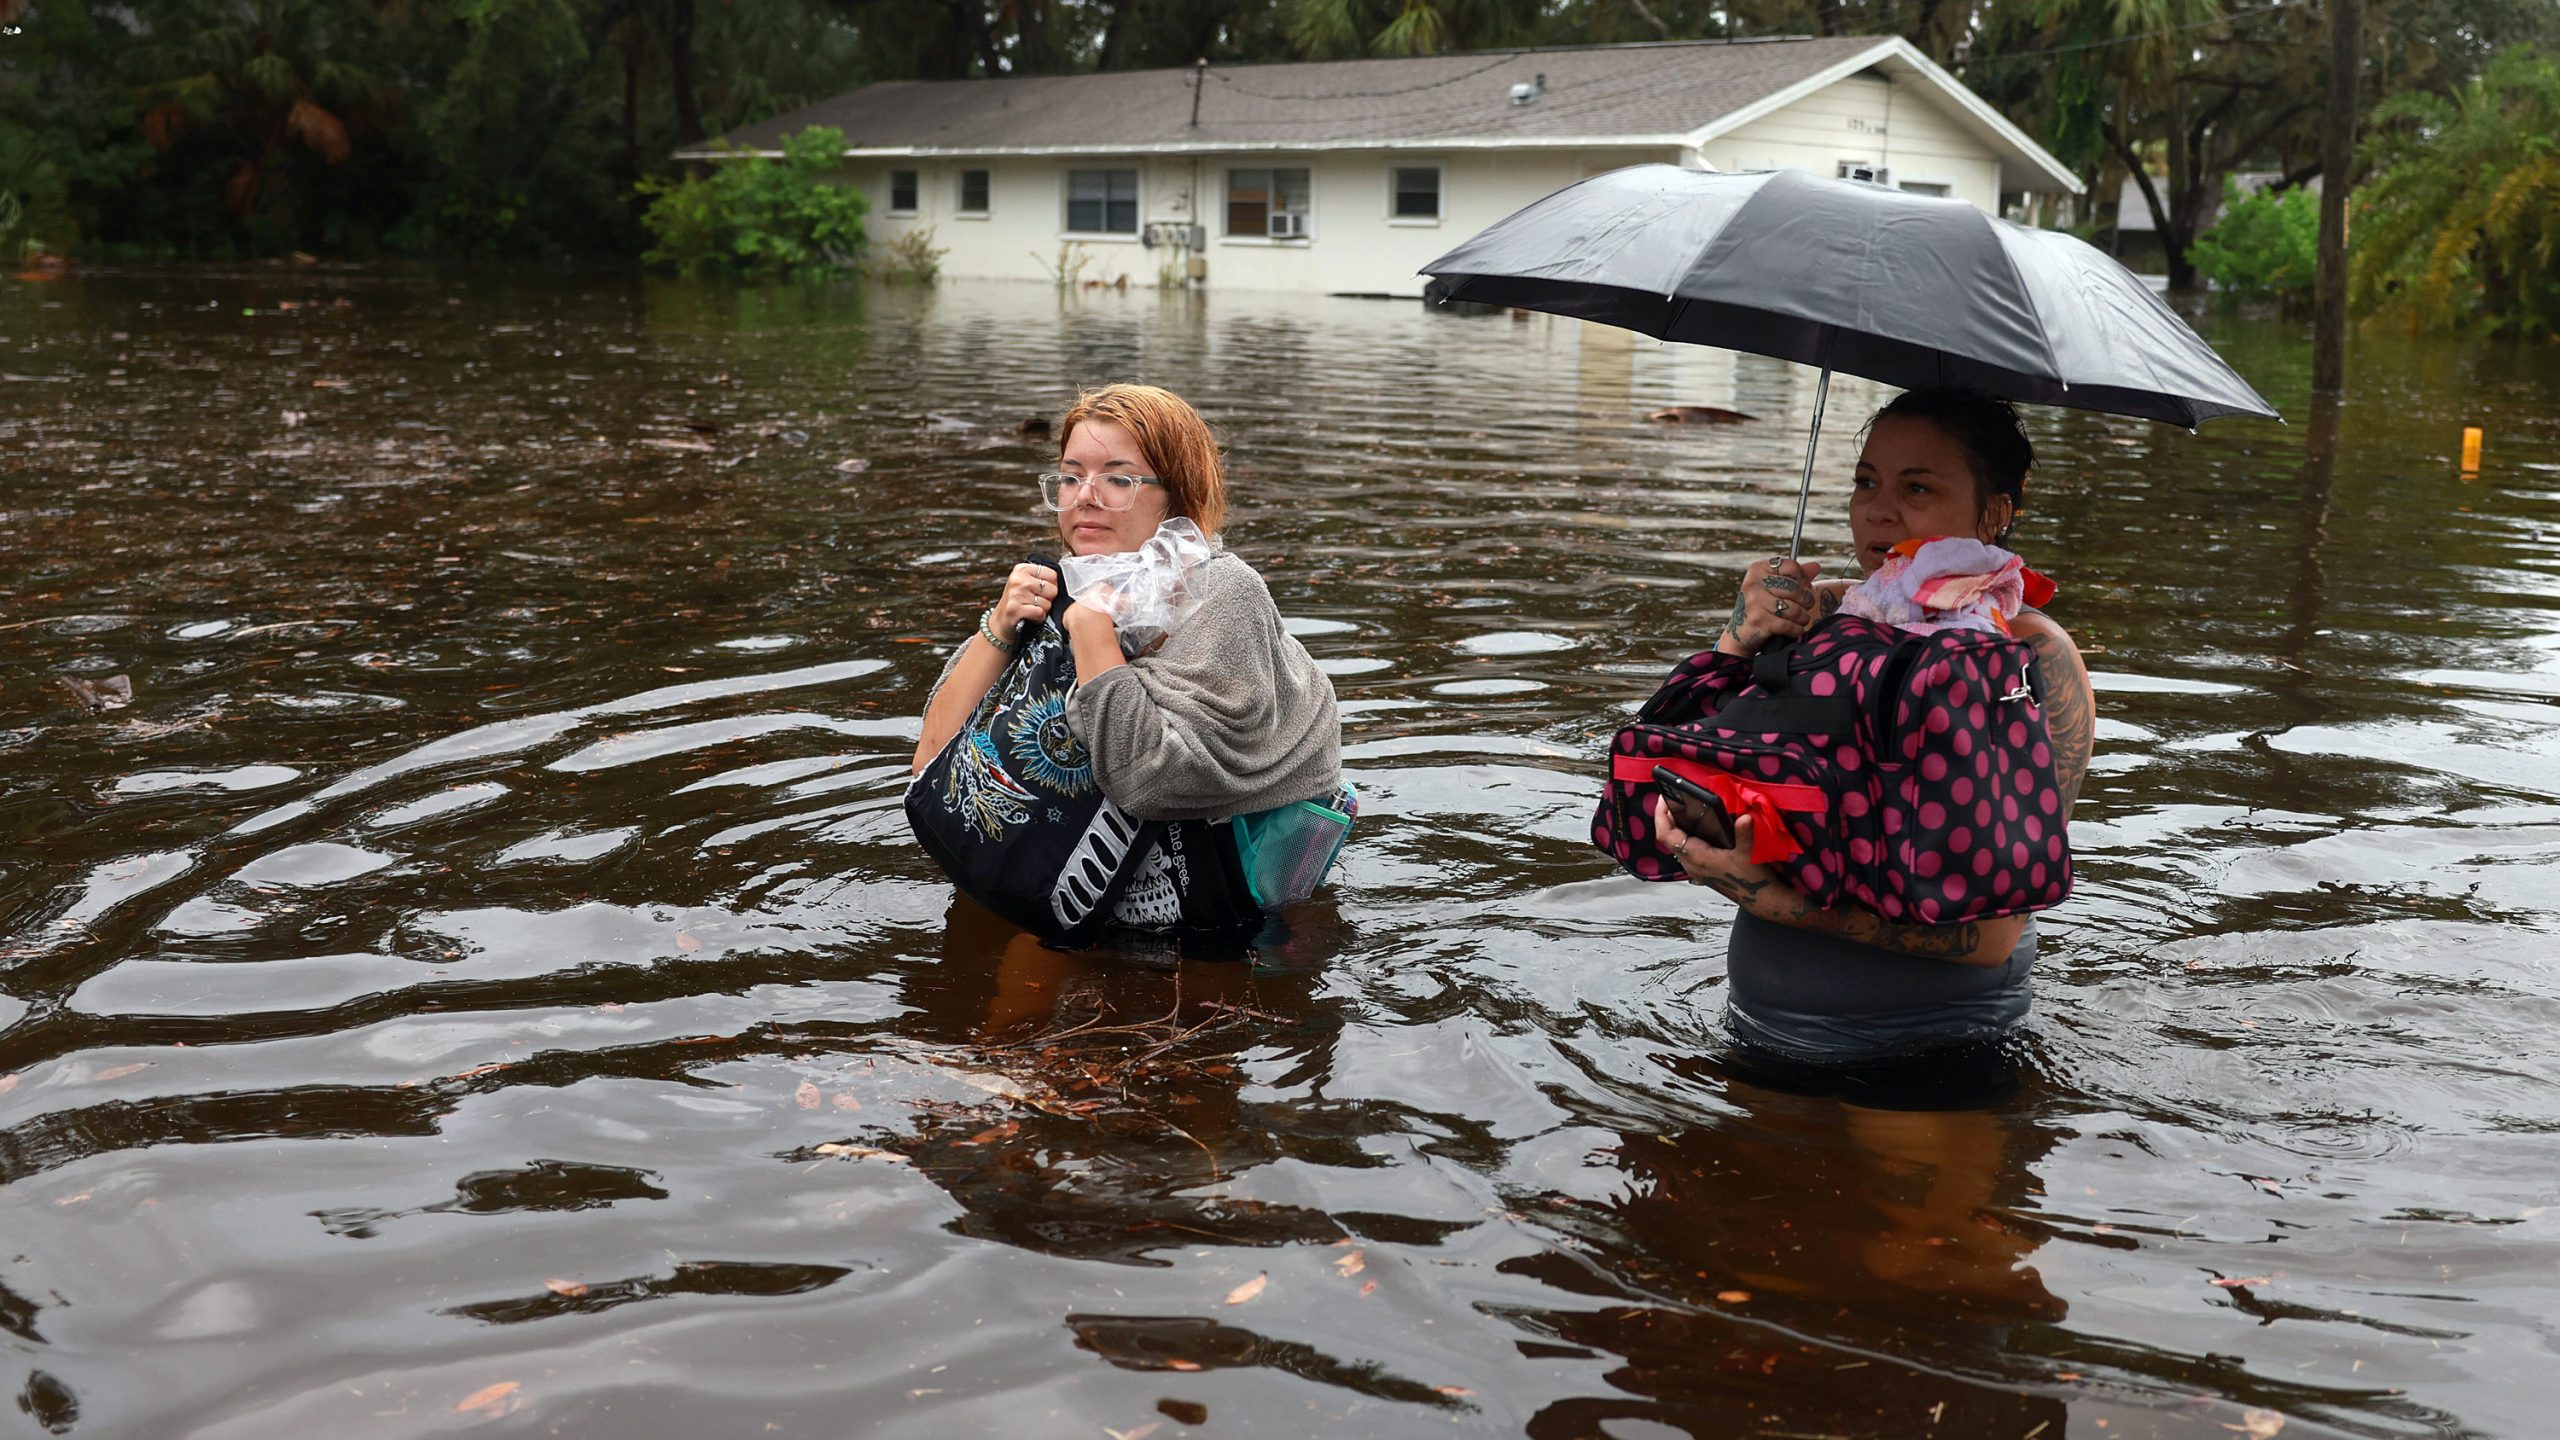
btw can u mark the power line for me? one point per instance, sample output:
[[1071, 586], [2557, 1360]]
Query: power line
[[2117, 40], [1494, 63]]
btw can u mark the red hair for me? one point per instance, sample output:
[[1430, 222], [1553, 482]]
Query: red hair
[[1172, 438]]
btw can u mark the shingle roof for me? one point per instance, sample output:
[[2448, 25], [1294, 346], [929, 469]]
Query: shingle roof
[[1591, 92]]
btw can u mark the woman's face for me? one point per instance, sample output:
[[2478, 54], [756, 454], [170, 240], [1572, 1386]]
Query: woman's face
[[1914, 483], [1099, 448]]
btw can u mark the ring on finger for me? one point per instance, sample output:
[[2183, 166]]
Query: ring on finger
[[1782, 609]]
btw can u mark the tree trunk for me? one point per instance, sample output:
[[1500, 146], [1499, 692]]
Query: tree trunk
[[631, 104], [2179, 231], [680, 72], [2337, 154], [1026, 22], [1115, 35], [973, 19], [1829, 16]]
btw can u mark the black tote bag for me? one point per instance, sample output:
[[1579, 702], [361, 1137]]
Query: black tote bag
[[1011, 811]]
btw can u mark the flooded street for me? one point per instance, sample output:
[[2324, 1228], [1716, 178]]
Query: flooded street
[[481, 980]]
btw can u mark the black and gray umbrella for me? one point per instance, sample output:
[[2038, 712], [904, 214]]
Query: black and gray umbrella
[[1906, 289]]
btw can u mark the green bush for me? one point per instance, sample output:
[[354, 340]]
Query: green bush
[[759, 219], [2266, 244], [34, 212]]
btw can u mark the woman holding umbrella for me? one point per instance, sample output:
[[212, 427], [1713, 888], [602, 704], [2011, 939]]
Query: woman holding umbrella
[[1846, 983], [1913, 291]]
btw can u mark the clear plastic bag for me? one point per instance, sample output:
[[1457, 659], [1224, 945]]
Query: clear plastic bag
[[1149, 591]]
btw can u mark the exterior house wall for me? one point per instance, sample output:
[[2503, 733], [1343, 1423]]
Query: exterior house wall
[[1353, 244], [1865, 119]]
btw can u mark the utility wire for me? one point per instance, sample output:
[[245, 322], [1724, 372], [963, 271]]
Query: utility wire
[[2116, 40], [1376, 94]]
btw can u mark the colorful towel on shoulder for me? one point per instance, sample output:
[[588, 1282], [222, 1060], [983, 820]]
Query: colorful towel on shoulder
[[1947, 582]]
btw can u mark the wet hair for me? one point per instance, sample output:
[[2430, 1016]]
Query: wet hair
[[1986, 427], [1172, 438]]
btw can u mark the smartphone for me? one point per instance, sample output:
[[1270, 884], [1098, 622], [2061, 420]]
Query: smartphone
[[1695, 808]]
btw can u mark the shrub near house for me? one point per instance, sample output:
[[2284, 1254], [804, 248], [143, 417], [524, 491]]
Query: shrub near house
[[2265, 245], [760, 219]]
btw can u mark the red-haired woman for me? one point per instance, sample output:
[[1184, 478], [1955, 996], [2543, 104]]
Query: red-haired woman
[[1230, 716]]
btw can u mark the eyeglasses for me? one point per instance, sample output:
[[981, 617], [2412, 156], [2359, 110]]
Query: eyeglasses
[[1110, 491]]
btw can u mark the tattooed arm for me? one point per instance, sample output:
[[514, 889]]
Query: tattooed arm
[[1758, 889], [1776, 602], [2070, 712]]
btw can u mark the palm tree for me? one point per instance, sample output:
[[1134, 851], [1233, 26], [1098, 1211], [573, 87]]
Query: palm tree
[[272, 80], [2461, 220]]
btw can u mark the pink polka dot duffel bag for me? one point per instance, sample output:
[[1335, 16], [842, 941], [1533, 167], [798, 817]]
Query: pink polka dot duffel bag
[[1909, 773]]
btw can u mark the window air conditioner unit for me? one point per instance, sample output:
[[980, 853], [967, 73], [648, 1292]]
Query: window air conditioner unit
[[1286, 226]]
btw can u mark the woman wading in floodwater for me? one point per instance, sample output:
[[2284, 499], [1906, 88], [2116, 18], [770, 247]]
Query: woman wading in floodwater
[[1228, 716], [1827, 987]]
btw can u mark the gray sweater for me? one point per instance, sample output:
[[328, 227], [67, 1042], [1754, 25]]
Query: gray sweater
[[1229, 717]]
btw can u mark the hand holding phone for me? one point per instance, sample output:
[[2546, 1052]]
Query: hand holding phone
[[1695, 808]]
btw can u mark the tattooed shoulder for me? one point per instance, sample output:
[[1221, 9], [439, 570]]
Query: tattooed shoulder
[[2070, 710]]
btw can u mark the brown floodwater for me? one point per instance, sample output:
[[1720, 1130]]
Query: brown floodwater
[[481, 980]]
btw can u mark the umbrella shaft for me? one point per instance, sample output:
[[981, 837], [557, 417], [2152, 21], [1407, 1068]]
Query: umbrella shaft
[[1804, 493]]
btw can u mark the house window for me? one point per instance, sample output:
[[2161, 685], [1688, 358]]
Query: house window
[[1417, 193], [1102, 202], [902, 192], [1925, 187], [973, 192], [1267, 202], [1865, 170]]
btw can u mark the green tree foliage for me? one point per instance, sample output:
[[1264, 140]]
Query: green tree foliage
[[760, 219], [35, 213], [521, 126], [2266, 245], [2461, 221]]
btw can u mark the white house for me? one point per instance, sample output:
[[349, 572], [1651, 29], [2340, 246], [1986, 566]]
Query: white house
[[1342, 177]]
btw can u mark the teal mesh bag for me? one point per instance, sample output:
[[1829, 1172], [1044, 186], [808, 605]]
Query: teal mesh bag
[[1286, 853]]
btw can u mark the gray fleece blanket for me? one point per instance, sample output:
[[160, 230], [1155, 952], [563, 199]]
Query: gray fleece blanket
[[1229, 717]]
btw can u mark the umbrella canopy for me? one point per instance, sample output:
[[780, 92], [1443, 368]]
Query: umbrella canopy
[[1906, 289]]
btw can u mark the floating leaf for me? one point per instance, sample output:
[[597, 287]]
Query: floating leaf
[[8, 1083], [121, 1071], [1733, 1297], [113, 693], [807, 1095], [1248, 1289], [859, 1152], [2242, 1282], [2257, 1424], [846, 1102], [569, 1289], [492, 1401], [687, 943], [1350, 1265]]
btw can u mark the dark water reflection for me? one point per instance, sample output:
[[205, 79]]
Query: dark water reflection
[[487, 951]]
